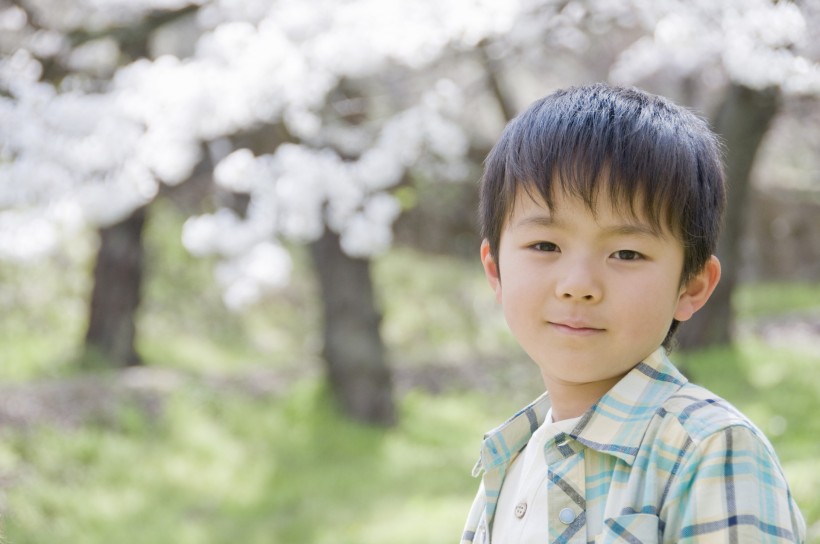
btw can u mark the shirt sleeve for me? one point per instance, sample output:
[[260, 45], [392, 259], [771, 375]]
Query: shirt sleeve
[[730, 488]]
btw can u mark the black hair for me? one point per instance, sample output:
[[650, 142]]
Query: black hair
[[650, 156]]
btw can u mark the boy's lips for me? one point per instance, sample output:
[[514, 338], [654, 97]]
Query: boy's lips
[[575, 327]]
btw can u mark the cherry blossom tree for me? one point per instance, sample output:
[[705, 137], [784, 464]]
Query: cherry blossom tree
[[315, 111], [69, 145], [349, 98]]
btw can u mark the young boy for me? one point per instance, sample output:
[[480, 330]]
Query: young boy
[[600, 211]]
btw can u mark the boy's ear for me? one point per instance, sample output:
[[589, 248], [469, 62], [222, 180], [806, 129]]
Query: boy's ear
[[491, 269], [698, 290]]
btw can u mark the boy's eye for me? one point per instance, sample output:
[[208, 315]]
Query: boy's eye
[[627, 255], [545, 246]]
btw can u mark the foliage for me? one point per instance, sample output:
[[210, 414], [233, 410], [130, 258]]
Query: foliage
[[317, 110], [224, 466], [185, 324], [772, 299], [43, 312], [320, 80]]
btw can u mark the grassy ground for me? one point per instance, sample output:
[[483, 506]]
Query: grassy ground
[[222, 464], [233, 468]]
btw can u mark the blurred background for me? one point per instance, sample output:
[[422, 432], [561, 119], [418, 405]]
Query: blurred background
[[240, 292]]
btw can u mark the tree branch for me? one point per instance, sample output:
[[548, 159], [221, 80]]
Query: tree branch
[[502, 97], [132, 39]]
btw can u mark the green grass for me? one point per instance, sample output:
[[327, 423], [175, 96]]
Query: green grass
[[231, 468], [222, 467], [757, 300]]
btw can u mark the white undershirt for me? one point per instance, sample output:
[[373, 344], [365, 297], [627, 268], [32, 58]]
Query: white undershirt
[[525, 489]]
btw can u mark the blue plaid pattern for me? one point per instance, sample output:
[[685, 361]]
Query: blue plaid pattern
[[657, 459]]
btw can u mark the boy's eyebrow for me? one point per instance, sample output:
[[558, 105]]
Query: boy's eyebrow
[[538, 220], [632, 229], [626, 229]]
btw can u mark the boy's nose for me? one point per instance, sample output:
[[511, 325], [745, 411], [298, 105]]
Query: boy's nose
[[579, 283]]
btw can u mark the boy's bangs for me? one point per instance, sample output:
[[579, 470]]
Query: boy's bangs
[[641, 190]]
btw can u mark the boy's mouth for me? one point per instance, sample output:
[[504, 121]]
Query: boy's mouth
[[575, 327]]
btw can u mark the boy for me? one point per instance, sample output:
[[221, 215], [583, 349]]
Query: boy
[[600, 211]]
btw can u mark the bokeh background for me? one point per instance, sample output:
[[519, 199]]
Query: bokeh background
[[239, 285]]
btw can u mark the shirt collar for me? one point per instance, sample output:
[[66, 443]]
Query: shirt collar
[[615, 425]]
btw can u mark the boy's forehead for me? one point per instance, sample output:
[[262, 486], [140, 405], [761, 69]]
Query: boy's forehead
[[528, 200]]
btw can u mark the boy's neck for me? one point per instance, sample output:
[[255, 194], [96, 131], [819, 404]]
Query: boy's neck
[[570, 400]]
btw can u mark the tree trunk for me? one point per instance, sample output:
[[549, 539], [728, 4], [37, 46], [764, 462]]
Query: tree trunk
[[742, 120], [353, 351], [116, 293]]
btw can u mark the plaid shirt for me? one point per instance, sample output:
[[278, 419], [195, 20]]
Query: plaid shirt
[[657, 459]]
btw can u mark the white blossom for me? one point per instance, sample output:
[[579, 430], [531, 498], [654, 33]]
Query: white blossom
[[753, 42], [247, 277], [299, 64], [222, 233], [369, 232], [98, 57], [20, 72], [237, 171], [26, 235], [12, 19]]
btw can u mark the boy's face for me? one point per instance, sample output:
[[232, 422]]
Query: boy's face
[[589, 296]]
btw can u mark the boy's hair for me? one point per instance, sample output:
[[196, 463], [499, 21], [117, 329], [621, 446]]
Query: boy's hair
[[650, 156]]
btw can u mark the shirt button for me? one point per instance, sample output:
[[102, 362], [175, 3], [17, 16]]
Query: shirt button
[[566, 516], [520, 509]]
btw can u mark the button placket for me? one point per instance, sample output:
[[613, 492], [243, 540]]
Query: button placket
[[566, 499]]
